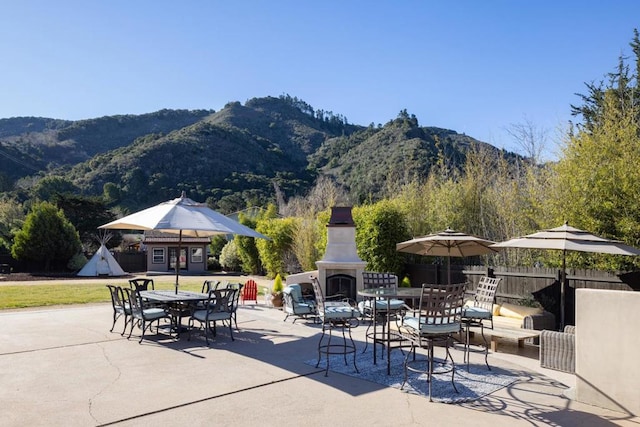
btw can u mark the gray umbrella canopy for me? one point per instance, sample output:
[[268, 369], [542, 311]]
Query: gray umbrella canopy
[[566, 238], [447, 243], [184, 217]]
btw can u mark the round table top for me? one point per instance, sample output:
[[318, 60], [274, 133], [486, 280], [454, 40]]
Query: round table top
[[383, 292]]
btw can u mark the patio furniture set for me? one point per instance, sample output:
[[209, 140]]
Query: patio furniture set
[[427, 317], [414, 318], [142, 305]]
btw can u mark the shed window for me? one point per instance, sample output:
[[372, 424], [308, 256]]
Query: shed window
[[158, 256], [196, 255]]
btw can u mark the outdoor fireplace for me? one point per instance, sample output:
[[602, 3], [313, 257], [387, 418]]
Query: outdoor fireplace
[[340, 270]]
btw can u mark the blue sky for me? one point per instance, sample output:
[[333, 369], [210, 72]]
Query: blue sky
[[477, 67]]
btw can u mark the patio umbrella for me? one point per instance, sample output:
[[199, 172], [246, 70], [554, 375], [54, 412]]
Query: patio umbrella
[[447, 243], [566, 238], [184, 217]]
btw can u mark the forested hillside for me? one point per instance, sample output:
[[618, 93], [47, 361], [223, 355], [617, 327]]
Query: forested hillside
[[30, 145], [243, 155]]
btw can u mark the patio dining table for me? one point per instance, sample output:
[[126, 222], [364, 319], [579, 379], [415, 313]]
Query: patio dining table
[[178, 302], [389, 336]]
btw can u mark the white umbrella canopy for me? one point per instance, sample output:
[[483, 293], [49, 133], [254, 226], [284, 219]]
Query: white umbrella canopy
[[447, 243], [566, 238], [184, 217]]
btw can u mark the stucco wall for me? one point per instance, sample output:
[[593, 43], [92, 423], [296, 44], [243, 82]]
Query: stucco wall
[[608, 349]]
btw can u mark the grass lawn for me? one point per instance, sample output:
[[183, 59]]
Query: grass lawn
[[75, 291]]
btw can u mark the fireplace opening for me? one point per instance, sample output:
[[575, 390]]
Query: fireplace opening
[[341, 284]]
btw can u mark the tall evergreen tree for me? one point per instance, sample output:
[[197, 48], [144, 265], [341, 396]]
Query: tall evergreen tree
[[46, 236], [621, 83]]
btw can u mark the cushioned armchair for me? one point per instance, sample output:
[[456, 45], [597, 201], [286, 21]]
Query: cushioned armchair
[[144, 316], [220, 307], [120, 306], [558, 349], [295, 305]]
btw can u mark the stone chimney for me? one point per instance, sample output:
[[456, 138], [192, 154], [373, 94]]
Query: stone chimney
[[341, 237], [341, 256]]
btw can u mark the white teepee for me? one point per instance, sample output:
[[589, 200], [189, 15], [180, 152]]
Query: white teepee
[[102, 263]]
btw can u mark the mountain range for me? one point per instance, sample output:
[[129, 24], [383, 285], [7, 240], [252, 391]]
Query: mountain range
[[239, 156]]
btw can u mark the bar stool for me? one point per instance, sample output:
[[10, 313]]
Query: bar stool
[[339, 315], [435, 323], [481, 309]]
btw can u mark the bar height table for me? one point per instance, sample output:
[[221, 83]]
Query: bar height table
[[388, 294]]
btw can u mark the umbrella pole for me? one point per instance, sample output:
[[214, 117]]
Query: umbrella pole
[[178, 258], [563, 279]]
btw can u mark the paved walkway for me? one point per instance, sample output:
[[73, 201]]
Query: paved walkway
[[62, 367]]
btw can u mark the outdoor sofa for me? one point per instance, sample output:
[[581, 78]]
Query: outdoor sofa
[[514, 316], [508, 315]]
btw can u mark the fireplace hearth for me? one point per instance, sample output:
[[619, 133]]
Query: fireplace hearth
[[341, 262], [342, 284]]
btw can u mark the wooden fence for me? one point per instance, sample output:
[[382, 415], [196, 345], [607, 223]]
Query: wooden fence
[[528, 285], [132, 262]]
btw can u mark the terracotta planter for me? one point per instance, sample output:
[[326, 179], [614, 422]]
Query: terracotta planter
[[276, 299]]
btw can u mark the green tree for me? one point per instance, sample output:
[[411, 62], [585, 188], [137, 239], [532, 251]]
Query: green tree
[[247, 249], [378, 228], [46, 235], [273, 252], [111, 193], [50, 186], [307, 233], [598, 179], [11, 219], [6, 183], [216, 245], [86, 214], [229, 258], [620, 87]]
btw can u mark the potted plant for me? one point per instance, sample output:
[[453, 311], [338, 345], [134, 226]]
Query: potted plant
[[406, 283], [276, 291]]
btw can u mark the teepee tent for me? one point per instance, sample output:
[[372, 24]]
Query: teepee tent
[[102, 263]]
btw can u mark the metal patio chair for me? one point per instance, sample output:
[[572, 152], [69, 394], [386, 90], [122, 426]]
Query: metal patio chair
[[438, 318], [340, 315]]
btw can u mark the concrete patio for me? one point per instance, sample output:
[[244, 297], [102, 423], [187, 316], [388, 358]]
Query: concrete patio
[[62, 366]]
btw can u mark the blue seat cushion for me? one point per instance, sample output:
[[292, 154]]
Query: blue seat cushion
[[300, 308], [295, 292], [430, 326], [154, 313], [342, 311], [476, 313], [201, 315]]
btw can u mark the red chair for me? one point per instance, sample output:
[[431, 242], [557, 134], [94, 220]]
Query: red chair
[[250, 291]]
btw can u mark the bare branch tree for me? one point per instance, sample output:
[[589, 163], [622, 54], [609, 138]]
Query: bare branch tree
[[531, 139]]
